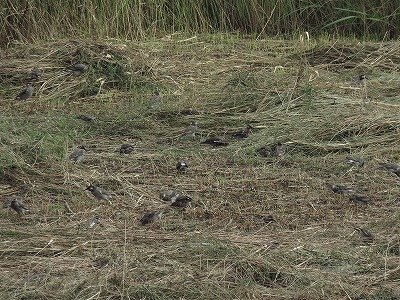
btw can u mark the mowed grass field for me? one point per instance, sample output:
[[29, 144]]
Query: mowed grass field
[[220, 246]]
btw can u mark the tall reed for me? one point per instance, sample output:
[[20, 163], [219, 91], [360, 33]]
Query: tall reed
[[37, 19]]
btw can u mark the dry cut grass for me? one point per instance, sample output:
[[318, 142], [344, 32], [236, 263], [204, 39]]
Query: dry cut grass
[[220, 246]]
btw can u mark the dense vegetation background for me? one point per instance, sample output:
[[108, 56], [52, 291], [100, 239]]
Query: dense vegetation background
[[30, 19]]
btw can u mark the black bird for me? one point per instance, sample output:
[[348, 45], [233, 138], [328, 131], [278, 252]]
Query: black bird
[[170, 195], [341, 189], [78, 154], [35, 74], [278, 149], [86, 118], [126, 149], [266, 218], [359, 81], [26, 93], [365, 234], [244, 133], [181, 166], [151, 217], [355, 160], [18, 206], [359, 198], [99, 193], [216, 142], [274, 150], [78, 69], [181, 201], [390, 167]]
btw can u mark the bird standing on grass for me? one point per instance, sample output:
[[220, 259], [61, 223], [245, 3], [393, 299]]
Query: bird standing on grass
[[181, 166], [99, 193], [35, 74], [390, 167], [26, 93], [244, 133], [359, 198], [216, 142], [354, 160], [18, 206], [151, 217], [170, 195], [341, 189], [359, 81], [78, 154], [86, 118], [126, 149], [181, 201], [78, 69], [191, 130]]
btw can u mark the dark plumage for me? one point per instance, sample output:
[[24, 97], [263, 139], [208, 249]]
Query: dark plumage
[[390, 167], [266, 218], [359, 198], [151, 217], [35, 74], [275, 150], [365, 234], [243, 133], [126, 149], [170, 195], [181, 166], [26, 93], [355, 160], [341, 189], [78, 154], [359, 81], [181, 201], [86, 118], [78, 69], [99, 193], [18, 206], [216, 142]]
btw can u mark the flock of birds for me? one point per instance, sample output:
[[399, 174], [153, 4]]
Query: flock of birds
[[174, 197]]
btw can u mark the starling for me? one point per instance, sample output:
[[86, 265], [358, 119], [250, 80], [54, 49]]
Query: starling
[[365, 234], [393, 168], [243, 133], [126, 149], [275, 150], [191, 130], [359, 81], [265, 151], [341, 189], [35, 74], [181, 166], [86, 118], [266, 218], [359, 198], [216, 142], [78, 69], [156, 99], [26, 93], [99, 193], [355, 160], [18, 206], [151, 217], [181, 201], [170, 195], [78, 154], [92, 223], [278, 149]]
